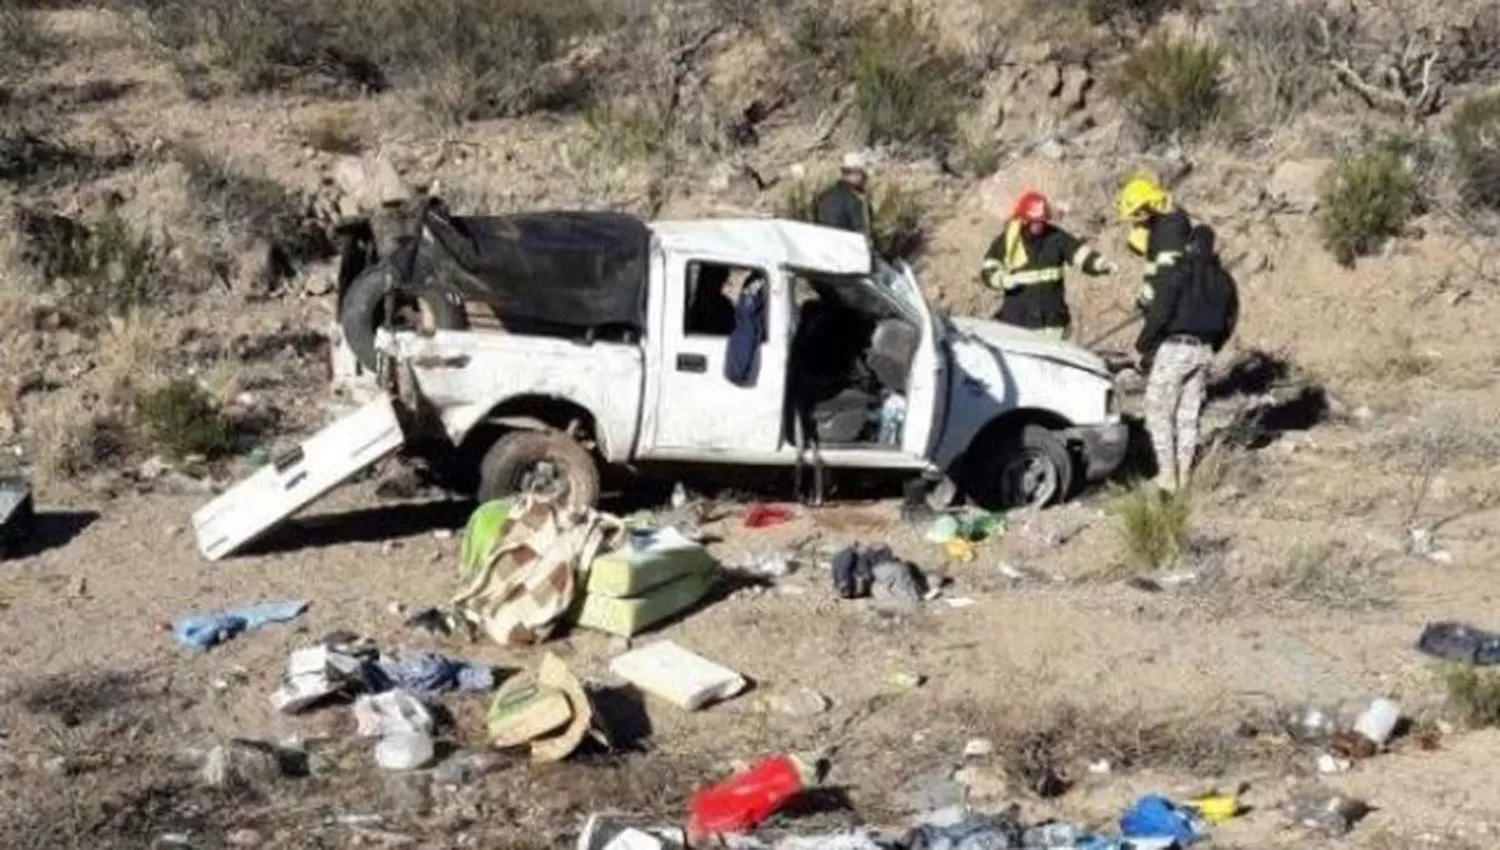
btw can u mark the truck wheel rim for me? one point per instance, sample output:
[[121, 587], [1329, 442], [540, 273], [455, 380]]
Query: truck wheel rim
[[1028, 480], [542, 479]]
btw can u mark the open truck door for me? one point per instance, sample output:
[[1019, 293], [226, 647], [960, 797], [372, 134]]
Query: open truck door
[[297, 478]]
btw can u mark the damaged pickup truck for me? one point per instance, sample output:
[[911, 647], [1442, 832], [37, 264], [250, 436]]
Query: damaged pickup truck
[[550, 345]]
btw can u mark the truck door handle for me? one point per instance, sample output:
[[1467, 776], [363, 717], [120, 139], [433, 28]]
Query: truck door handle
[[692, 363]]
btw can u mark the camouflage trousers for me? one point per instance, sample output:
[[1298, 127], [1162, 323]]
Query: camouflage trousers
[[1174, 400]]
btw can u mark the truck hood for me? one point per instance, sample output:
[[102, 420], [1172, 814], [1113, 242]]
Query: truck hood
[[1014, 340]]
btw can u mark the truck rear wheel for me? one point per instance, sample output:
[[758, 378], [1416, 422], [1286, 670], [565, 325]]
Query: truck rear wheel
[[1023, 467], [539, 462], [363, 311]]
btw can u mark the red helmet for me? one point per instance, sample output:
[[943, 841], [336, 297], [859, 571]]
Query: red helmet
[[1033, 207]]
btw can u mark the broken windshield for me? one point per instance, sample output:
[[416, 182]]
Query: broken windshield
[[898, 283]]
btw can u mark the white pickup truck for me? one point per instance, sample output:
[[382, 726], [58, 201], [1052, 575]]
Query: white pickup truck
[[850, 367]]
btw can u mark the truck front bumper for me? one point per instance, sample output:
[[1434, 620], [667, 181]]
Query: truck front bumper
[[1102, 447]]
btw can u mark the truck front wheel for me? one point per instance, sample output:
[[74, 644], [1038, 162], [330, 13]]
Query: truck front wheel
[[541, 462], [1021, 467]]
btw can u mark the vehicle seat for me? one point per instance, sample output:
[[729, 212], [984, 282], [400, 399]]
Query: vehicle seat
[[893, 346], [843, 418]]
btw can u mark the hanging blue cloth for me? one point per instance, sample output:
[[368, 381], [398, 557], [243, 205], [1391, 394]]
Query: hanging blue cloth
[[742, 353]]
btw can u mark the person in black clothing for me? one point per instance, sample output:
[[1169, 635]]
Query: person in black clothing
[[1190, 317], [1159, 230], [844, 204], [1026, 262]]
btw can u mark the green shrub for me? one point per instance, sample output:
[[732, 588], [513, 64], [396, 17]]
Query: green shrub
[[103, 268], [906, 88], [1365, 200], [1173, 87], [896, 216], [1474, 694], [1475, 135], [181, 419], [1154, 526]]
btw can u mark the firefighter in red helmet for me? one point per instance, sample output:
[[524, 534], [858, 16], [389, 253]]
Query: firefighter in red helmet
[[1026, 263]]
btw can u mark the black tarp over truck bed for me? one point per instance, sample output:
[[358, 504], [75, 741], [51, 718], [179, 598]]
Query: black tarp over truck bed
[[575, 269]]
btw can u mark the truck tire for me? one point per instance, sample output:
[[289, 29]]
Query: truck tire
[[1028, 466], [363, 311], [539, 460]]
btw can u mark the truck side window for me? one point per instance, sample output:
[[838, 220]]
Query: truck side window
[[710, 292]]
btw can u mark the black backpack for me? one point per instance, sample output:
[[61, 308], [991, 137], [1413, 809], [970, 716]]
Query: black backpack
[[1216, 287]]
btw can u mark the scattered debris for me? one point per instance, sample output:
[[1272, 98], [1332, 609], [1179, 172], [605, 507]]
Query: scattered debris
[[463, 768], [677, 675], [766, 516], [17, 514], [390, 713], [428, 673], [1156, 817], [1330, 765], [654, 576], [749, 799], [241, 763], [897, 587], [551, 712], [1461, 643], [1327, 812], [314, 674], [1217, 808], [802, 702], [404, 751], [206, 631], [978, 748], [1378, 722], [618, 832]]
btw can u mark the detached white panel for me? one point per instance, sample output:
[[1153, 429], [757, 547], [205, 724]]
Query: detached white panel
[[297, 478]]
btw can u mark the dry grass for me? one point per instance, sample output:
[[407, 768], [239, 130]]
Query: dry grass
[[23, 40], [1395, 358], [1276, 57], [336, 131], [1154, 526], [1324, 574], [465, 59]]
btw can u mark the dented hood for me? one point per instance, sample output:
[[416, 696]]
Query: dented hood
[[1010, 339]]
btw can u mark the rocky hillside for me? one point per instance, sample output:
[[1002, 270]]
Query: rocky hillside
[[173, 171]]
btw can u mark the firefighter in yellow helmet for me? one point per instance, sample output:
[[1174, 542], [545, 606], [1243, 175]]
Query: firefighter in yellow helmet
[[1159, 230]]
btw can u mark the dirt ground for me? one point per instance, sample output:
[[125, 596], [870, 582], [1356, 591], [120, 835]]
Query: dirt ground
[[1301, 588], [105, 717]]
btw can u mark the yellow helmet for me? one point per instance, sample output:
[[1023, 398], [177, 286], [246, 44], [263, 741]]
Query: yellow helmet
[[1142, 193]]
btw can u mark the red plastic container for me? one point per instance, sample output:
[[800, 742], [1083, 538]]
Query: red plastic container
[[749, 799]]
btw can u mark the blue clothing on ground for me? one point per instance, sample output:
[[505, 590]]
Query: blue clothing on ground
[[206, 631]]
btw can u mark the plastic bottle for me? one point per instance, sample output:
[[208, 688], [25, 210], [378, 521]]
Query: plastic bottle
[[748, 799], [404, 751], [1378, 722], [892, 418], [1052, 836]]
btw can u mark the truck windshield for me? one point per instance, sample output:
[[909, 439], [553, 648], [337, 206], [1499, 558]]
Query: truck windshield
[[898, 283]]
